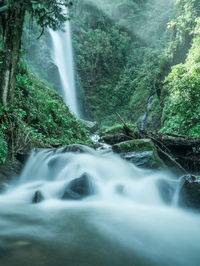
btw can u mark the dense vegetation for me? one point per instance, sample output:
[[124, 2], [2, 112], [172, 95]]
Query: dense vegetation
[[117, 47], [37, 118], [181, 112], [124, 54], [32, 114], [137, 58]]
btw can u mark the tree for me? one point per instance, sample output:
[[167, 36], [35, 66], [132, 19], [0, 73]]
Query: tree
[[47, 13]]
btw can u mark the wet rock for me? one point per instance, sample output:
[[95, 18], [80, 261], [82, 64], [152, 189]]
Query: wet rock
[[142, 159], [166, 189], [134, 145], [78, 148], [53, 162], [113, 139], [190, 192], [22, 157], [116, 135], [79, 188], [119, 188], [5, 250], [38, 197], [11, 169], [140, 152]]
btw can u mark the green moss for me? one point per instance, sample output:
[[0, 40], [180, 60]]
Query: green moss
[[134, 145], [144, 149], [116, 128], [181, 113]]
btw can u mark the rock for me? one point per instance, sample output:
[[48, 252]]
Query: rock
[[166, 189], [117, 134], [119, 188], [79, 148], [91, 126], [143, 159], [11, 169], [189, 195], [22, 157], [134, 145], [79, 188], [113, 139], [38, 197], [141, 152]]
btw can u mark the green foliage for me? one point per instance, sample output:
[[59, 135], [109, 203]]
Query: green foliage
[[37, 118], [101, 54], [153, 36], [45, 112], [35, 52], [181, 112], [154, 114], [117, 50], [3, 147], [116, 129], [46, 13]]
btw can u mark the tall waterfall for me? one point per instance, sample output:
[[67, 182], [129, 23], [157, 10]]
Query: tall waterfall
[[63, 58], [122, 219]]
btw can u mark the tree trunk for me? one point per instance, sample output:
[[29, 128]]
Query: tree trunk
[[12, 46]]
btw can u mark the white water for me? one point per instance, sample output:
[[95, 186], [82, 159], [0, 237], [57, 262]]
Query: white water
[[63, 58], [130, 226]]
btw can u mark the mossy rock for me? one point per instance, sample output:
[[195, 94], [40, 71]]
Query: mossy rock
[[134, 145], [140, 152], [189, 195], [116, 134]]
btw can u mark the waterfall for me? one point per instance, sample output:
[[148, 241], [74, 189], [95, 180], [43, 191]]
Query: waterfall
[[121, 219], [144, 116], [63, 58]]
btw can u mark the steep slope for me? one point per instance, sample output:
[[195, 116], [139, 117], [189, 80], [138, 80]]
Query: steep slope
[[38, 118], [117, 49], [124, 52]]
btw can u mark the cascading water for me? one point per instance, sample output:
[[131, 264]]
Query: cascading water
[[63, 58], [121, 219]]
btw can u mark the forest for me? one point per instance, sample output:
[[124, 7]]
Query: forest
[[137, 58], [99, 118]]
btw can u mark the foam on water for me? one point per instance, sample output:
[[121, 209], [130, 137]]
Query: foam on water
[[125, 219]]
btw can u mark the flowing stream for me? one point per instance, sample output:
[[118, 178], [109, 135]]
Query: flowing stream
[[124, 220], [63, 58]]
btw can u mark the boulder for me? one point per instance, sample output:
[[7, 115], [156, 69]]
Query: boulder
[[134, 145], [113, 139], [9, 170], [189, 195], [119, 189], [79, 188], [22, 157], [141, 152], [78, 148], [37, 197], [118, 133], [167, 189]]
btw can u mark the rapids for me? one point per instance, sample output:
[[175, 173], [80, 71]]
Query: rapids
[[129, 226]]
